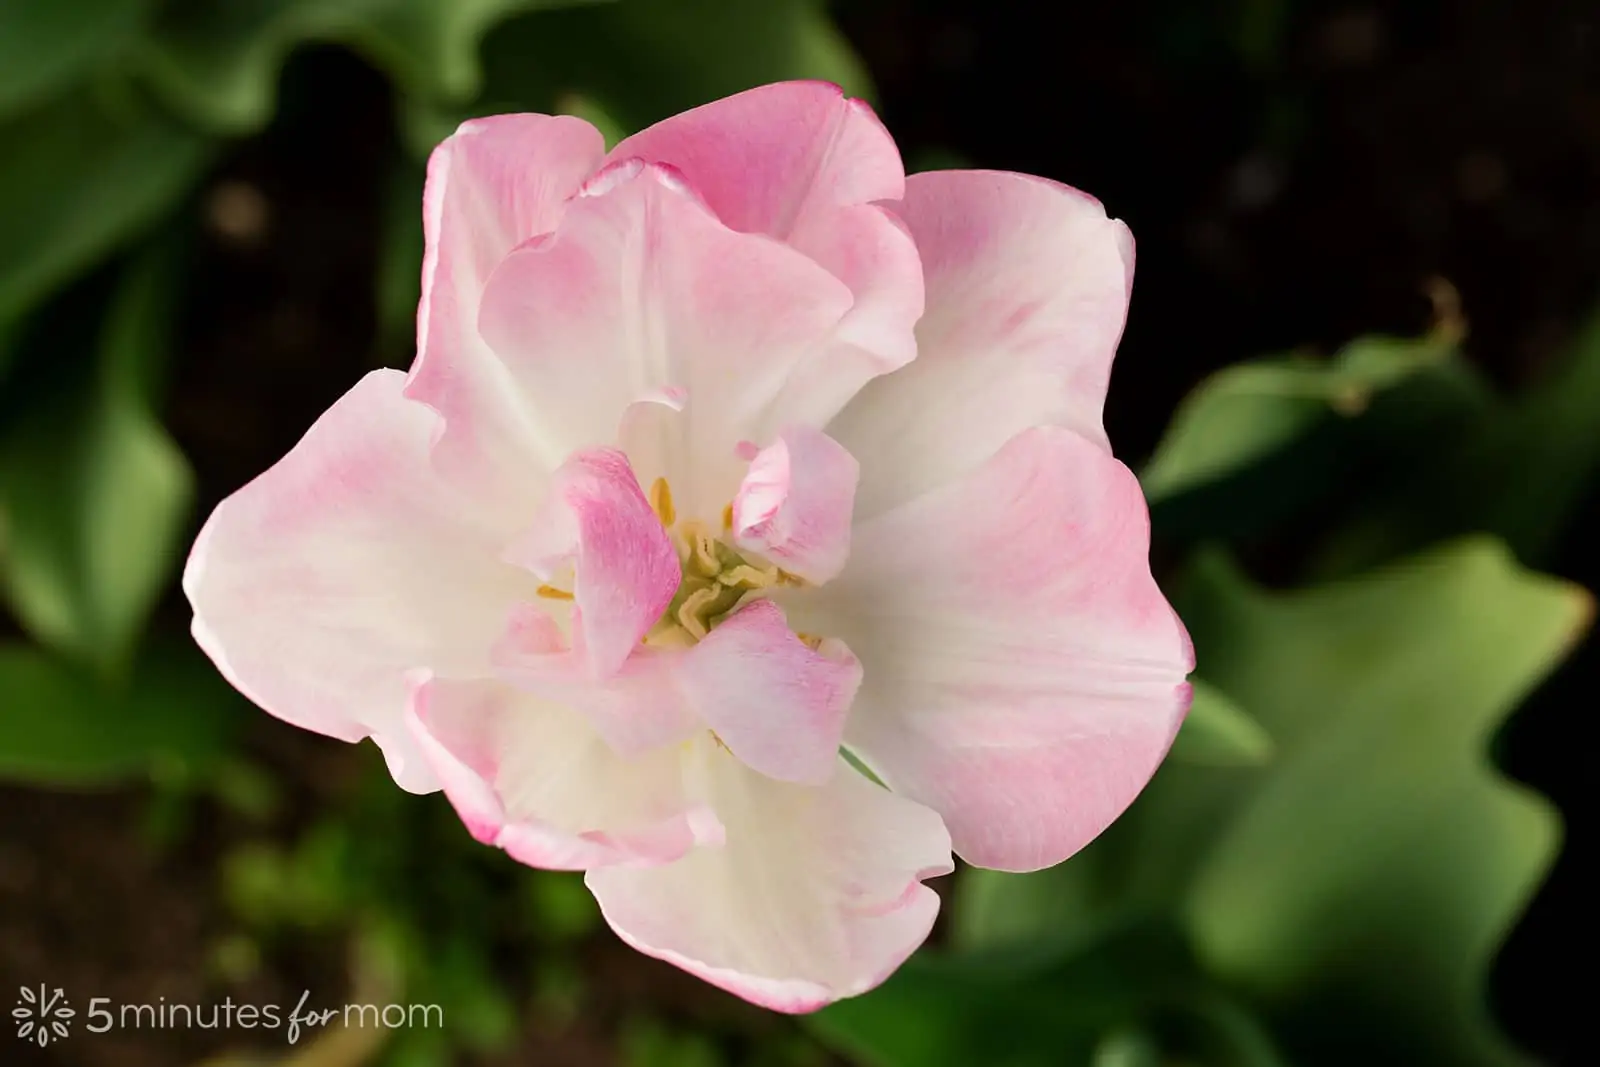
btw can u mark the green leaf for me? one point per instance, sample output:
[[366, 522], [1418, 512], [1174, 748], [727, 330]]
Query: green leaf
[[219, 61], [61, 726], [1546, 453], [1362, 885], [93, 493], [1517, 468], [1243, 414], [80, 177], [1046, 1003], [46, 45], [643, 60], [1219, 732]]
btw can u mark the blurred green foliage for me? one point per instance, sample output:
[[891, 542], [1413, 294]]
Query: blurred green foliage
[[1321, 872], [1249, 411]]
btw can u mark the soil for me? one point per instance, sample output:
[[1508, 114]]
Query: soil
[[1292, 181]]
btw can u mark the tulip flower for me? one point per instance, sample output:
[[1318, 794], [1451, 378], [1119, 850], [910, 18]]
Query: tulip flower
[[744, 535]]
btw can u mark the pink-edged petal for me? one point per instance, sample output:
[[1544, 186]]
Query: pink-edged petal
[[642, 293], [815, 895], [1024, 674], [777, 704], [319, 584], [795, 503], [532, 778], [802, 162], [1027, 292], [496, 183], [625, 569], [763, 157], [634, 710]]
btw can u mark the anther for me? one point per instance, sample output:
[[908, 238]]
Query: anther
[[661, 502]]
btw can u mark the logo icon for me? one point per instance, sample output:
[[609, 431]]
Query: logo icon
[[42, 1018]]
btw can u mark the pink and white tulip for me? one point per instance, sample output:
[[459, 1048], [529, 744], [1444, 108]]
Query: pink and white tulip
[[724, 452]]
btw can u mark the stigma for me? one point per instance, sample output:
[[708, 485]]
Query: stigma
[[717, 579]]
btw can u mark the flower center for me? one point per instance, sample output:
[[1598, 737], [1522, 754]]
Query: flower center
[[716, 580]]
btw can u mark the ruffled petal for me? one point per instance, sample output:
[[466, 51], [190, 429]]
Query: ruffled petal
[[641, 294], [319, 584], [802, 162], [795, 503], [1027, 292], [635, 709], [815, 895], [777, 704], [1024, 674], [765, 157], [533, 778], [496, 183], [625, 570]]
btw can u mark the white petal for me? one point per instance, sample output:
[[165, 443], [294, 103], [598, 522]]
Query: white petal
[[319, 584], [815, 895], [1027, 291]]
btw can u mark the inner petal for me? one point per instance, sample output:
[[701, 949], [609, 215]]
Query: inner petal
[[642, 295]]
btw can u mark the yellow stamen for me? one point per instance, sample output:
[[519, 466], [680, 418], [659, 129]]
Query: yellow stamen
[[550, 592], [661, 502], [811, 641], [727, 517]]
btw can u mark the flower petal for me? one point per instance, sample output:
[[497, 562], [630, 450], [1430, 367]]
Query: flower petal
[[1028, 285], [815, 895], [319, 584], [642, 291], [532, 778], [634, 710], [776, 704], [625, 568], [1024, 674], [801, 162], [764, 157], [795, 503], [494, 184]]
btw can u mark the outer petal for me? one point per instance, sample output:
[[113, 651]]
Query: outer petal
[[764, 157], [816, 894], [641, 293], [795, 503], [625, 568], [319, 584], [534, 779], [802, 162], [494, 184], [1028, 285], [1024, 675]]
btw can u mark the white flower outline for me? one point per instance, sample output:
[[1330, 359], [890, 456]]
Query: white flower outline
[[47, 1019]]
